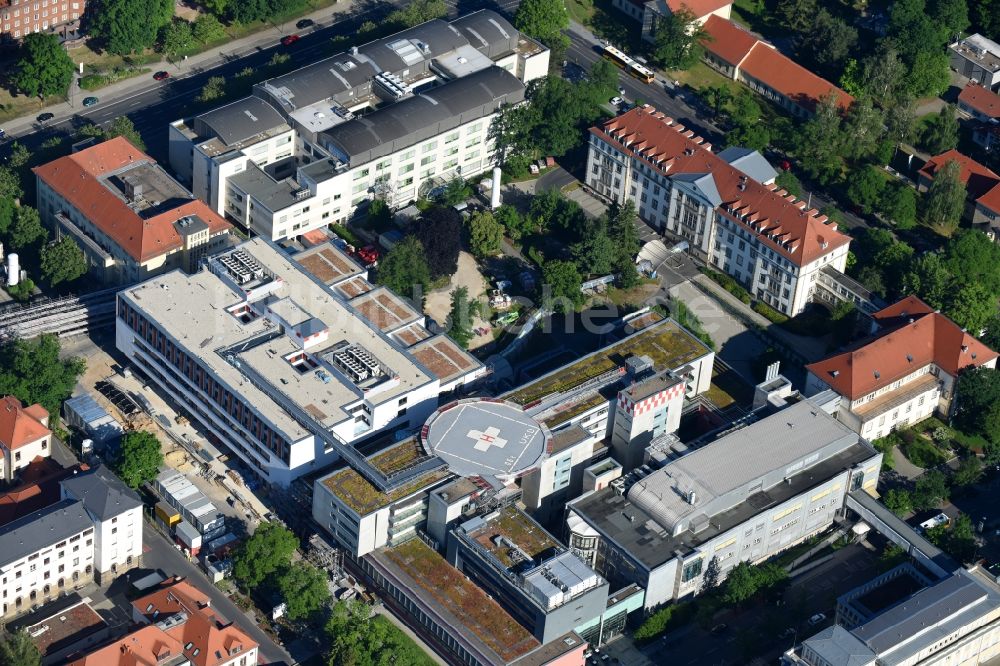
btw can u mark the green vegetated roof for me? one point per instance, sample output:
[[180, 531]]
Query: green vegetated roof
[[666, 343], [518, 528], [478, 613]]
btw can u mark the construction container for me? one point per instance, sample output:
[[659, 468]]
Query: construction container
[[168, 515], [188, 536], [84, 414], [177, 491]]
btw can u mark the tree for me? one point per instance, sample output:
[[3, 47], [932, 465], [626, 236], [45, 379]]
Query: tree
[[945, 200], [829, 41], [417, 12], [817, 143], [248, 11], [439, 230], [961, 543], [796, 15], [545, 20], [177, 37], [19, 649], [929, 74], [485, 234], [899, 204], [139, 458], [510, 134], [678, 40], [789, 182], [969, 471], [128, 26], [844, 321], [971, 255], [62, 261], [977, 393], [124, 127], [515, 224], [883, 77], [595, 254], [208, 29], [850, 79], [710, 579], [267, 550], [898, 501], [27, 229], [863, 129], [717, 97], [460, 318], [213, 89], [866, 188], [43, 66], [941, 133], [304, 589], [379, 214], [216, 7], [10, 184], [928, 278], [32, 371], [972, 307], [625, 235], [8, 212], [748, 131], [404, 269], [746, 581], [563, 281], [603, 81], [358, 638], [931, 489], [454, 192], [951, 15]]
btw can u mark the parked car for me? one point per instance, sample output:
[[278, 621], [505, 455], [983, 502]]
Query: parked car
[[615, 101], [90, 101], [160, 76], [45, 116], [3, 133], [304, 23], [289, 40], [816, 619]]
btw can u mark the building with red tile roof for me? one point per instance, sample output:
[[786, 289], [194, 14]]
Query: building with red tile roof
[[759, 234], [185, 614], [24, 435], [649, 12], [742, 57], [147, 646], [982, 187], [979, 102], [131, 219], [903, 374], [37, 488]]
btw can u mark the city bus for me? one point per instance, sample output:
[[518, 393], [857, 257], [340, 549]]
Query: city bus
[[630, 65]]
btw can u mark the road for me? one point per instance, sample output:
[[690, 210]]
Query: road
[[161, 554]]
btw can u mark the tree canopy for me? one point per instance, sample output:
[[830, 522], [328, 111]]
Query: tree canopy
[[416, 12], [43, 66], [678, 40], [359, 638], [139, 459], [128, 26], [746, 581], [460, 317], [404, 269], [546, 21], [62, 261], [27, 229], [267, 550], [945, 200], [485, 234], [562, 281], [32, 371], [977, 396], [19, 649], [941, 133], [439, 230], [304, 590]]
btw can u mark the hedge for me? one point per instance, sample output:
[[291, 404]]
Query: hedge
[[666, 618], [729, 284], [346, 234], [769, 313]]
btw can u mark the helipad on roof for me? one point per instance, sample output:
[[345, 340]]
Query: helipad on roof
[[493, 439]]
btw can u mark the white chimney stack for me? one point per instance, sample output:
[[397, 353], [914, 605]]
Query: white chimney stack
[[495, 192], [13, 270]]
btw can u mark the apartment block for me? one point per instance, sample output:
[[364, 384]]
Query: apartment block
[[116, 513], [24, 436], [45, 554], [904, 374], [130, 218], [281, 367], [20, 18], [744, 497], [774, 245], [396, 118]]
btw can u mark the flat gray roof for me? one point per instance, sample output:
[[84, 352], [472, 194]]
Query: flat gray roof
[[239, 121], [423, 116], [43, 528], [274, 195], [750, 162], [488, 32], [796, 438], [840, 647], [492, 439]]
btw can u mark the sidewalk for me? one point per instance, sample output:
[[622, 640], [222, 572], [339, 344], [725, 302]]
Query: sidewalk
[[196, 64]]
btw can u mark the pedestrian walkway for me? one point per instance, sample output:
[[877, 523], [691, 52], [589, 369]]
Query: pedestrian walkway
[[196, 64]]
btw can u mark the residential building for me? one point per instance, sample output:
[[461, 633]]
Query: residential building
[[37, 487], [24, 436], [116, 513], [902, 375], [955, 620], [778, 248], [543, 586], [979, 103], [982, 186], [978, 59], [294, 157], [45, 554], [744, 497], [649, 13], [180, 629], [283, 369], [460, 619], [20, 18], [130, 218], [739, 55]]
